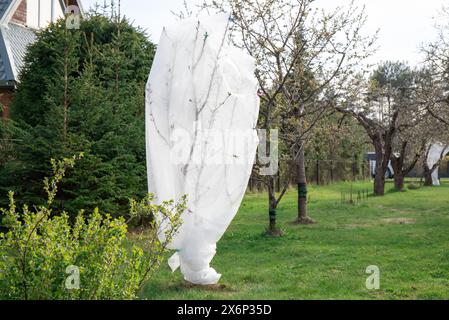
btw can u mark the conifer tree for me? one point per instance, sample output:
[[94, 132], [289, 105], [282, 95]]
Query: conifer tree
[[82, 91]]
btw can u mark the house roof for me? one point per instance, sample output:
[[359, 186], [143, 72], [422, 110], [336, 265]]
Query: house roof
[[14, 41], [4, 5], [18, 38]]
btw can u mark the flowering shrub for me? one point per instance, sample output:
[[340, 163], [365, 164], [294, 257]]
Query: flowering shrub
[[45, 255]]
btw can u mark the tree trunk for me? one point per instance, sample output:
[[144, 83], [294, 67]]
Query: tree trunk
[[428, 181], [398, 167], [272, 208], [399, 181], [379, 179], [303, 218], [379, 185]]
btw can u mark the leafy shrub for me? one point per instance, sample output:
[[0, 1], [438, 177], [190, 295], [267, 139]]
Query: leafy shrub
[[40, 248], [413, 186]]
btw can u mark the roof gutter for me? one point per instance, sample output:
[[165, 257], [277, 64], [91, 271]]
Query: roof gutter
[[8, 84]]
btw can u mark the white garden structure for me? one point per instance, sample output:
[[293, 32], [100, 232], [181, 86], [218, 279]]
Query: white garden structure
[[437, 151], [201, 113]]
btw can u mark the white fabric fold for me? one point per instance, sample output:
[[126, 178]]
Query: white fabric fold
[[174, 262]]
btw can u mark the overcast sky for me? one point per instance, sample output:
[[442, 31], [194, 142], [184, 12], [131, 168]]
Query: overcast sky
[[404, 24]]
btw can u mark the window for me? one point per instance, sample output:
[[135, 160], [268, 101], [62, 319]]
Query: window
[[41, 12]]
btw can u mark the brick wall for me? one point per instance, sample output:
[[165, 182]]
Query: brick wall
[[20, 16], [5, 101]]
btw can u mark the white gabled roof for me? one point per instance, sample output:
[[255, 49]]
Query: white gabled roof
[[14, 41]]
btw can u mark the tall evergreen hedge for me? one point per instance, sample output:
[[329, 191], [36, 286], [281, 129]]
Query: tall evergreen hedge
[[81, 91]]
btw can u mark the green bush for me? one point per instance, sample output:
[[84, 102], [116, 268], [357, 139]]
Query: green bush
[[43, 254], [80, 91]]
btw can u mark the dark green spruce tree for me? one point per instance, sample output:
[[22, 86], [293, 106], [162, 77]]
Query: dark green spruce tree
[[81, 91]]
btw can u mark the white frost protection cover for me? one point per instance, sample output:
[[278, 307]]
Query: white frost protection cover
[[434, 156], [201, 113]]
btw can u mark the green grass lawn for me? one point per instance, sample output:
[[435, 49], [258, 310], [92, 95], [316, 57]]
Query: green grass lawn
[[405, 234]]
